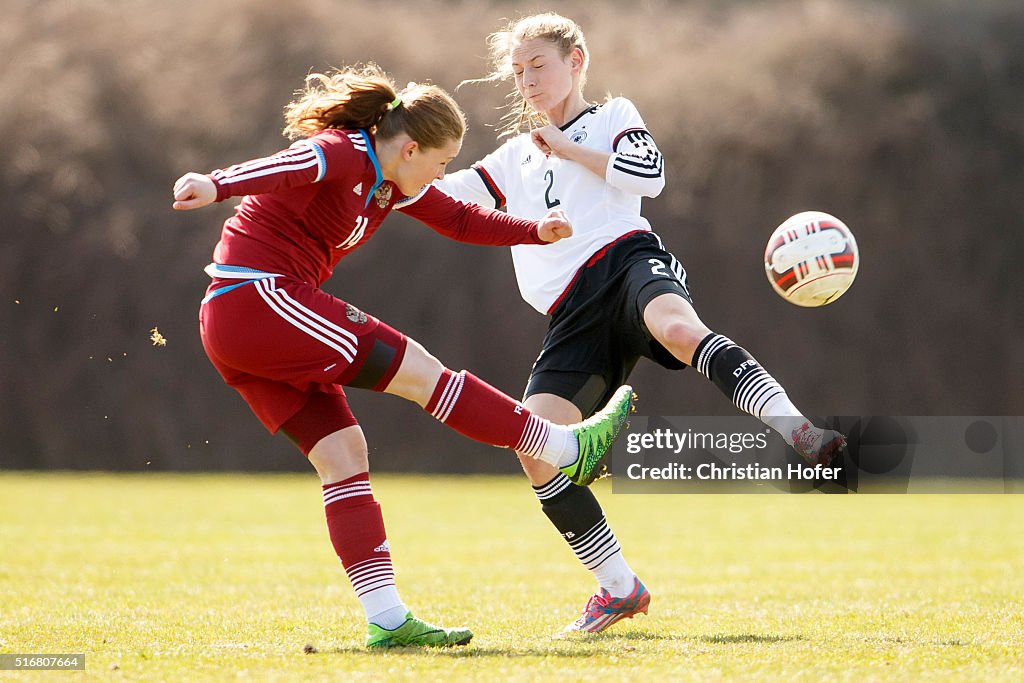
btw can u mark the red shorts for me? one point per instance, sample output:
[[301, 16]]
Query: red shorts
[[278, 341]]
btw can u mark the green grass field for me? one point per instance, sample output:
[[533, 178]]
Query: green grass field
[[230, 577]]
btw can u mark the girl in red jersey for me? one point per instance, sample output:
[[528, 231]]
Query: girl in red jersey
[[288, 347]]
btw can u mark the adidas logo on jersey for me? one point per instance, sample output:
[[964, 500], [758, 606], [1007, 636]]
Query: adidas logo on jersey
[[528, 159], [383, 547], [358, 189]]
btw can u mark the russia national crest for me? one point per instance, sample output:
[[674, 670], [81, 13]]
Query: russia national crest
[[354, 314], [383, 195]]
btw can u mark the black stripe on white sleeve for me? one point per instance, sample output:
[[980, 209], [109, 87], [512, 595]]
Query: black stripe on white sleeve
[[638, 167], [492, 187], [639, 155]]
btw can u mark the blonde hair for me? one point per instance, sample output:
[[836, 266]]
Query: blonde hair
[[566, 35], [366, 97]]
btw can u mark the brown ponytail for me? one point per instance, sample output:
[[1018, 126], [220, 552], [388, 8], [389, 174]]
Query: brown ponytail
[[366, 97]]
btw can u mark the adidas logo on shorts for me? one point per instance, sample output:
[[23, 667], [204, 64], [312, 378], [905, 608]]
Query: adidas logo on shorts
[[383, 547]]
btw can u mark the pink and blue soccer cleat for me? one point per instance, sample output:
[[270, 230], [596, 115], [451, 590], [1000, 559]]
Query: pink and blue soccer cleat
[[603, 610], [817, 446]]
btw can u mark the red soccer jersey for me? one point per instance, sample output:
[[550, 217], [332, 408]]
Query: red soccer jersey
[[308, 206]]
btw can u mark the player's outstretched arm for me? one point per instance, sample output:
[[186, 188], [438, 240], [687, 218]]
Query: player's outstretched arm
[[193, 191], [474, 224]]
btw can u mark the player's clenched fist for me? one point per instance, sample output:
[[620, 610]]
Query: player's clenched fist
[[554, 226], [193, 191]]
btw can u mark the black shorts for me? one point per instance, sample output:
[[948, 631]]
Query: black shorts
[[597, 332]]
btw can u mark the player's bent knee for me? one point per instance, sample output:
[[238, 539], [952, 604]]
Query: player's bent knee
[[340, 455], [537, 471], [417, 376], [682, 338]]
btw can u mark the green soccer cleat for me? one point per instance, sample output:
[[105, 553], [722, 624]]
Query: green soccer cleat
[[596, 435], [415, 632]]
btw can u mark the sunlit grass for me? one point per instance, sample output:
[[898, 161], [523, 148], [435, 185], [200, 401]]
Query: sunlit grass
[[198, 577]]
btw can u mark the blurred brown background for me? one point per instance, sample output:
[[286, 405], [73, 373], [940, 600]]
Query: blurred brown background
[[905, 119]]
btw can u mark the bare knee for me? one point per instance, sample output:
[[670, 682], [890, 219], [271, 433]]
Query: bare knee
[[417, 375], [673, 322], [537, 471], [559, 411], [681, 338], [340, 455]]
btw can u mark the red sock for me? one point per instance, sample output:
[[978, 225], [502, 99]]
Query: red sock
[[356, 527], [475, 409]]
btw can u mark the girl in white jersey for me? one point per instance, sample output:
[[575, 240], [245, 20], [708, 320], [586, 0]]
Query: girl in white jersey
[[613, 292]]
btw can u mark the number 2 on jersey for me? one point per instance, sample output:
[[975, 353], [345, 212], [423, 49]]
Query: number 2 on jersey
[[550, 177]]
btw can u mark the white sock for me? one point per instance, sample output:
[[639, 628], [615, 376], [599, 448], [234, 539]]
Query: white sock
[[384, 607], [545, 441], [615, 576], [781, 415], [561, 447]]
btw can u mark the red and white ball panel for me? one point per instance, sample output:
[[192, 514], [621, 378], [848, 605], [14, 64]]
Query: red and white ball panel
[[811, 259]]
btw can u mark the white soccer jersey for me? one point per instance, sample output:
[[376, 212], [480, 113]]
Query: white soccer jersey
[[519, 176]]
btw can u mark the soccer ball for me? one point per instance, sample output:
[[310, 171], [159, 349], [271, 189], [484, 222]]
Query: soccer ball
[[811, 259]]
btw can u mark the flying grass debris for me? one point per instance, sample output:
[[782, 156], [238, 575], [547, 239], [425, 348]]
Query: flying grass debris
[[157, 338]]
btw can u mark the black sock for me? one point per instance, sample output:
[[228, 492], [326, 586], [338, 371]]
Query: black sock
[[739, 376], [578, 516]]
